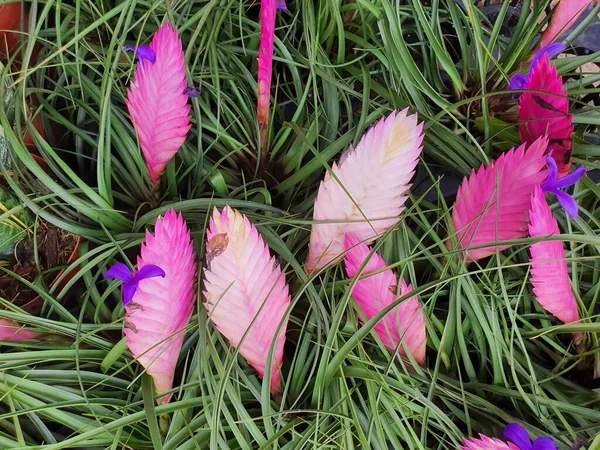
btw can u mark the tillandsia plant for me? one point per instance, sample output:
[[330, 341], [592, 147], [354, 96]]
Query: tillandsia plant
[[246, 294], [365, 192], [158, 99], [159, 299], [518, 439], [544, 107]]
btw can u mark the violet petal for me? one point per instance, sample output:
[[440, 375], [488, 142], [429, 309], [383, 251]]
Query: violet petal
[[567, 202], [544, 443], [142, 52], [119, 271], [280, 5], [129, 291], [571, 179], [552, 174], [149, 271], [518, 435], [551, 50], [518, 82]]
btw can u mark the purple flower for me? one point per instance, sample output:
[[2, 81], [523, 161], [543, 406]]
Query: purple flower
[[191, 91], [280, 5], [554, 186], [131, 280], [142, 52], [519, 81], [518, 435]]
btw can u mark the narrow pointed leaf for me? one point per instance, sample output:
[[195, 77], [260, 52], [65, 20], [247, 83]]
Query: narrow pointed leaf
[[245, 290], [544, 111], [402, 327], [493, 203], [550, 275], [162, 306], [157, 101], [366, 192], [564, 16], [268, 13]]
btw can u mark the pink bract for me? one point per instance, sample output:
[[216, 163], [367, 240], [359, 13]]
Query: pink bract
[[486, 443], [268, 13], [157, 101], [13, 332], [544, 111], [550, 275], [564, 15], [493, 203], [161, 308], [402, 328]]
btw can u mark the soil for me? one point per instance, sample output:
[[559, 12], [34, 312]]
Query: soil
[[54, 248]]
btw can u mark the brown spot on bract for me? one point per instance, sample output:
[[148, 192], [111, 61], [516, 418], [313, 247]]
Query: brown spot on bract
[[216, 246], [135, 306], [131, 326], [393, 288]]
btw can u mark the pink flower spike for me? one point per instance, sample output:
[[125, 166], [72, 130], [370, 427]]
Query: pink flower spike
[[366, 190], [545, 112], [268, 12], [486, 443], [563, 17], [550, 276], [161, 307], [12, 332], [493, 203], [245, 290], [157, 100], [404, 326]]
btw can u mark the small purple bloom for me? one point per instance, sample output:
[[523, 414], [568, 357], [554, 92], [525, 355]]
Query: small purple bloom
[[142, 52], [191, 91], [131, 280], [551, 50], [280, 5], [553, 185], [518, 435], [519, 81]]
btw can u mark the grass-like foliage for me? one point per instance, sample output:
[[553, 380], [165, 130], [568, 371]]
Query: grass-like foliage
[[494, 356]]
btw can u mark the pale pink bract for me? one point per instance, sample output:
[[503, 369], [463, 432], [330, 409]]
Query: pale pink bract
[[161, 308], [158, 103], [245, 290], [365, 192], [403, 327]]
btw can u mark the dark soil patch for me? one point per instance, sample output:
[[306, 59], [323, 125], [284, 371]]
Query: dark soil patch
[[54, 248]]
